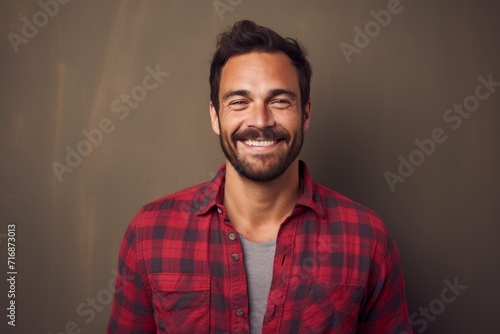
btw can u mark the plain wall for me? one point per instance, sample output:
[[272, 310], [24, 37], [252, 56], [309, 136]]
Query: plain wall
[[367, 110]]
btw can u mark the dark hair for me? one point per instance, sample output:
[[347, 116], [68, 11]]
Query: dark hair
[[244, 37]]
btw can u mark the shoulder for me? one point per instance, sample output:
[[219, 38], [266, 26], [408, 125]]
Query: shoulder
[[336, 204], [174, 208], [358, 231], [350, 217], [192, 194]]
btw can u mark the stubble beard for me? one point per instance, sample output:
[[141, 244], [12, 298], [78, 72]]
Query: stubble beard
[[270, 166]]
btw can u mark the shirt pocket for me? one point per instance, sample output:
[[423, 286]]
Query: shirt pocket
[[331, 308], [181, 302]]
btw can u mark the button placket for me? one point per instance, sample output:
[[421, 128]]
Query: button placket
[[236, 266]]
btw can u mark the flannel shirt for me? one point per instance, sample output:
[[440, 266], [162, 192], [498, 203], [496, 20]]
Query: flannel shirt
[[181, 268]]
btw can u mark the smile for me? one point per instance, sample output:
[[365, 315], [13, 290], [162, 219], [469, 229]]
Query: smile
[[260, 143]]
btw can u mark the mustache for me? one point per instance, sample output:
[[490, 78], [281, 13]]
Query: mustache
[[269, 134]]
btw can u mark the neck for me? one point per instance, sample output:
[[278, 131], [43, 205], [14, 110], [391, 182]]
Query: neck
[[257, 209]]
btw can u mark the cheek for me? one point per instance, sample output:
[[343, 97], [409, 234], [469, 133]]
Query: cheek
[[226, 132], [230, 125], [291, 123]]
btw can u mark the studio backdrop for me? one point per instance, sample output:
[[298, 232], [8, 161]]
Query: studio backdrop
[[104, 107]]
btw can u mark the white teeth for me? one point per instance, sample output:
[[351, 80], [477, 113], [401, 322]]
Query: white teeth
[[259, 142]]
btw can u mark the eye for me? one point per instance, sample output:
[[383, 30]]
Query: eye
[[280, 103], [238, 104]]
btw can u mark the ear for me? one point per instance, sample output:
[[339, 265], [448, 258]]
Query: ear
[[307, 116], [214, 119]]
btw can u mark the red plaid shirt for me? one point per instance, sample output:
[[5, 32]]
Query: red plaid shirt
[[181, 270]]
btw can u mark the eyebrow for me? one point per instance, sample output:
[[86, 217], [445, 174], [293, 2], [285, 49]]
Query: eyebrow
[[240, 92], [272, 93], [280, 91]]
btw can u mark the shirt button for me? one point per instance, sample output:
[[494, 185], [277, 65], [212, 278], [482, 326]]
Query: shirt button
[[240, 312], [235, 257], [232, 236], [219, 210]]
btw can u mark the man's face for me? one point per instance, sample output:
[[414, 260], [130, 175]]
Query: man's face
[[260, 123]]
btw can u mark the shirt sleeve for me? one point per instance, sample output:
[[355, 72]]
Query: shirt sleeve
[[385, 309], [132, 311]]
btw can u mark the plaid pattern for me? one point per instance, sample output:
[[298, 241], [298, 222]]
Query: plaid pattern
[[181, 268]]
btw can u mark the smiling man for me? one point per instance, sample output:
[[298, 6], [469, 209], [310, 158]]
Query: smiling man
[[261, 248]]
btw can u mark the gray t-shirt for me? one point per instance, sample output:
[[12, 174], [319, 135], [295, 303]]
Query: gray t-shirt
[[259, 258]]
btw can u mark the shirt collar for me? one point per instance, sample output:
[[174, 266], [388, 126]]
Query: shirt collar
[[213, 192]]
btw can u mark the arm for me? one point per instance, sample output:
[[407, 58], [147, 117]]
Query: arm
[[132, 311], [385, 310]]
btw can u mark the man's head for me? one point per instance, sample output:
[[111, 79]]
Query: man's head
[[245, 37], [257, 107]]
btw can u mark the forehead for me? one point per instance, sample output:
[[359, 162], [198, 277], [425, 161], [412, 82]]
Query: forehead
[[259, 70]]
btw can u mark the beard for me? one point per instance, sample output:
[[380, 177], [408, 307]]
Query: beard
[[268, 166]]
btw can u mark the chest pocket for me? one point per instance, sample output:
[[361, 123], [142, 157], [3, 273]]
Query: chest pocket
[[331, 308], [181, 303]]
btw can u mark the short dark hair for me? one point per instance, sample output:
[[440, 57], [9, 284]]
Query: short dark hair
[[244, 37]]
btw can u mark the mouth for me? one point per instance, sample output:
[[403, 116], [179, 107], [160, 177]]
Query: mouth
[[260, 143]]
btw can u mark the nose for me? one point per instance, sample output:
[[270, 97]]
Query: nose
[[261, 116]]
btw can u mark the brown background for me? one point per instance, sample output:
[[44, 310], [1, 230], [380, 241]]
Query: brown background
[[366, 113]]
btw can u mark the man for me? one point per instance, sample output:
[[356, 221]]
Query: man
[[260, 248]]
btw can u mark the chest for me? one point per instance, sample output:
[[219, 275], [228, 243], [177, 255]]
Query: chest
[[198, 274]]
